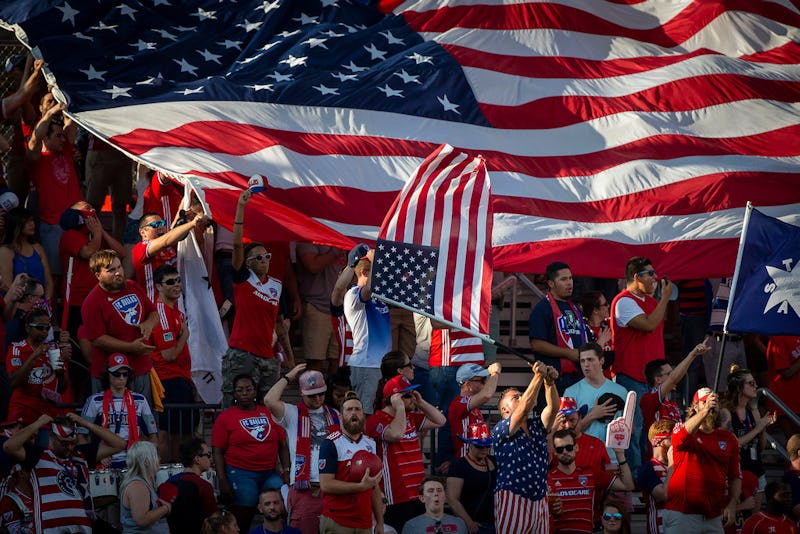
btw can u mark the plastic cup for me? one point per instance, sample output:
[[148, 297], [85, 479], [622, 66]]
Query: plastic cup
[[54, 354]]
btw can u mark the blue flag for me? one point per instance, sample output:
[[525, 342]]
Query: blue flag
[[765, 297]]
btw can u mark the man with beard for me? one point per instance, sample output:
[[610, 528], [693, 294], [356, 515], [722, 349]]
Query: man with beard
[[270, 505], [704, 461], [307, 424], [432, 495], [773, 520], [118, 317], [344, 503]]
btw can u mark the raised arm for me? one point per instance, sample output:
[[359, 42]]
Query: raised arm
[[549, 376], [648, 323], [36, 141], [486, 394], [396, 429], [680, 370], [528, 400], [272, 399], [237, 260]]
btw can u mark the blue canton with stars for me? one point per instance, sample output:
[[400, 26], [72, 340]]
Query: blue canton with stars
[[521, 458], [406, 273], [333, 53]]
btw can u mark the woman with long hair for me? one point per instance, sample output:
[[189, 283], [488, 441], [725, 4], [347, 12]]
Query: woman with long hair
[[247, 445], [615, 519], [393, 363], [222, 522], [747, 423], [141, 510], [21, 253]]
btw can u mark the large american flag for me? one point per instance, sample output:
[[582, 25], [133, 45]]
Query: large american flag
[[610, 128]]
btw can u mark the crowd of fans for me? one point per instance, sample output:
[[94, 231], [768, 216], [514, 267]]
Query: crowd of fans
[[93, 324]]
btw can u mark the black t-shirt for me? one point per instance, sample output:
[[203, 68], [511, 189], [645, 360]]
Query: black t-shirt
[[749, 455], [477, 493]]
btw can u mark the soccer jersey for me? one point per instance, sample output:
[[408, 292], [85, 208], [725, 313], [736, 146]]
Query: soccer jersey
[[454, 347], [38, 394], [521, 458], [250, 438], [351, 509], [145, 265], [53, 174], [165, 336], [256, 312], [580, 493], [83, 280], [764, 523], [461, 415], [651, 474], [372, 332], [402, 460], [633, 349]]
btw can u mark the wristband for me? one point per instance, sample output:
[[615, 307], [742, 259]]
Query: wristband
[[238, 222], [623, 462]]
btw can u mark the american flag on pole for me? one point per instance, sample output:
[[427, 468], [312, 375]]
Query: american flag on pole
[[611, 128], [434, 249]]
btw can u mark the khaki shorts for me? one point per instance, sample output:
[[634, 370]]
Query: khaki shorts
[[264, 371], [319, 341]]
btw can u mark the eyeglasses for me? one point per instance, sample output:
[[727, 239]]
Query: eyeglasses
[[615, 517], [157, 224], [750, 383], [407, 396], [651, 272], [204, 455], [248, 389], [409, 364], [568, 448], [316, 395], [171, 281], [39, 326], [120, 374], [261, 257]]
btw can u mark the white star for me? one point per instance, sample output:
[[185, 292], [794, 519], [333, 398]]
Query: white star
[[374, 53], [419, 58], [94, 74], [331, 33], [185, 28], [278, 77], [202, 14], [231, 44], [127, 10], [269, 45], [249, 26], [391, 39], [161, 3], [286, 33], [116, 91], [261, 87], [147, 81], [103, 26], [186, 66], [141, 45], [269, 6], [786, 293], [342, 77], [79, 35], [329, 3], [208, 56], [447, 105], [388, 91], [352, 67], [314, 42], [123, 57], [187, 92], [304, 19], [166, 35], [407, 78], [293, 61], [326, 90], [250, 59], [350, 29], [67, 13]]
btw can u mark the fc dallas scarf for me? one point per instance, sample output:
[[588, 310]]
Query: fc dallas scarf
[[302, 457], [129, 406], [563, 338]]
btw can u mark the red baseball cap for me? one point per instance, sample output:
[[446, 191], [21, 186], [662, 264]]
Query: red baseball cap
[[701, 395], [398, 384], [477, 434], [568, 406], [117, 361]]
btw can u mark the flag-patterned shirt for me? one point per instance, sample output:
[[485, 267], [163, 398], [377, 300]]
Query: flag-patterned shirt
[[521, 458], [402, 460]]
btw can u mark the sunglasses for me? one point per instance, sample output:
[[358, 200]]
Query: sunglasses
[[119, 374], [409, 364], [205, 454], [40, 326], [407, 396], [171, 281], [651, 272], [615, 517], [261, 257], [156, 224], [568, 448]]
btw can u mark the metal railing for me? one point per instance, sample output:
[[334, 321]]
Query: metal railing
[[786, 410]]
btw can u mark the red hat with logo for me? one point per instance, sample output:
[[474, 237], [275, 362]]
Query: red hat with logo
[[117, 361], [398, 384]]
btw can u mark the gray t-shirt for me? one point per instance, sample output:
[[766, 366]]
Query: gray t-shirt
[[424, 523], [315, 288]]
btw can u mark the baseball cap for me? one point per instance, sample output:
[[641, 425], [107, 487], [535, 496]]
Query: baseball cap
[[117, 361], [8, 200], [63, 431], [568, 406], [701, 395], [358, 253], [470, 370], [14, 61], [398, 384], [477, 434], [312, 382], [616, 399]]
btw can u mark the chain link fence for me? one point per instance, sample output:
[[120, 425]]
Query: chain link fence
[[8, 47]]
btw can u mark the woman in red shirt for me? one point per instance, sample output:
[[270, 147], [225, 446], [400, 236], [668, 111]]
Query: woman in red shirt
[[247, 445]]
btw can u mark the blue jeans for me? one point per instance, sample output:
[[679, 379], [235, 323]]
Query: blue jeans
[[422, 377], [247, 485], [634, 453], [445, 387]]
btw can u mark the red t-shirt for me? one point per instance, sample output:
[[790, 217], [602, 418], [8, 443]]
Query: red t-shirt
[[250, 438], [117, 315], [55, 179], [782, 352], [28, 401], [703, 463], [163, 196], [461, 416], [83, 280], [144, 266], [764, 523], [633, 349], [580, 493], [256, 312], [165, 336], [402, 467]]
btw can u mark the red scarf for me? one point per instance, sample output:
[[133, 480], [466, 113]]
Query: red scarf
[[129, 406], [563, 339], [302, 456]]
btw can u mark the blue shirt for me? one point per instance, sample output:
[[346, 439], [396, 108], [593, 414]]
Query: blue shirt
[[372, 332], [521, 458]]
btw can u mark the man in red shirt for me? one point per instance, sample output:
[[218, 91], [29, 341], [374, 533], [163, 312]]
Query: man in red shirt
[[592, 452], [396, 429], [118, 317], [173, 363], [773, 520], [477, 388], [578, 490], [704, 462]]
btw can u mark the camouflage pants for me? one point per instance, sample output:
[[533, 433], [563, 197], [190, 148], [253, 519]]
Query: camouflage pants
[[264, 371]]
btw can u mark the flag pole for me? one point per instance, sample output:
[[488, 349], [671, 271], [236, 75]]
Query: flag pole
[[745, 224], [482, 337]]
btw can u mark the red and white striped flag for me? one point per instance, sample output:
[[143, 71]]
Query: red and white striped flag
[[434, 249]]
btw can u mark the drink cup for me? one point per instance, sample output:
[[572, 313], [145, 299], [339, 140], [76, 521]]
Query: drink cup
[[54, 355]]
